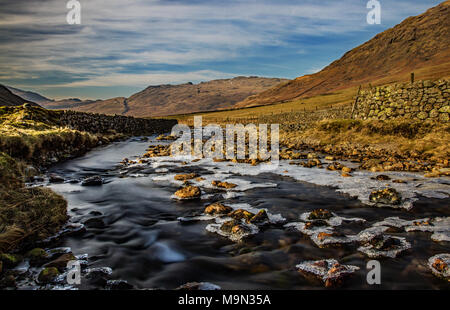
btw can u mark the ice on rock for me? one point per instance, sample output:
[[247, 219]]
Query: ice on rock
[[308, 229], [398, 222], [441, 236], [438, 224], [334, 220], [329, 270], [236, 237], [440, 266], [385, 246], [370, 233]]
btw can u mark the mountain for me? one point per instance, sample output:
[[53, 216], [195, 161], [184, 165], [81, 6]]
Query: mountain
[[420, 44], [7, 98], [29, 96], [187, 98]]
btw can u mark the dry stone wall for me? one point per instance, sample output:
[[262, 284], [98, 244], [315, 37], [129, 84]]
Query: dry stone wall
[[422, 100]]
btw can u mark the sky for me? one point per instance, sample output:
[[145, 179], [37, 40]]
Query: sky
[[123, 46]]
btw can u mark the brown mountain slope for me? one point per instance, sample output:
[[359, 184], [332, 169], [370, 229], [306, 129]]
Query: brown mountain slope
[[185, 98], [188, 98], [7, 98], [420, 43]]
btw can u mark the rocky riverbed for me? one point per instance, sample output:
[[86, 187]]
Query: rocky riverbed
[[237, 226]]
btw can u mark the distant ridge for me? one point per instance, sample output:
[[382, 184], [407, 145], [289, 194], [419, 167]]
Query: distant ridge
[[418, 43], [7, 98]]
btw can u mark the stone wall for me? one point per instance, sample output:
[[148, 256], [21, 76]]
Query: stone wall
[[422, 100], [99, 123]]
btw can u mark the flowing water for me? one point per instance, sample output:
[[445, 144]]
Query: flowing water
[[145, 242]]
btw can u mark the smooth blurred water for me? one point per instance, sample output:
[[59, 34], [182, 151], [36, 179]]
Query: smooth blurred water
[[145, 244]]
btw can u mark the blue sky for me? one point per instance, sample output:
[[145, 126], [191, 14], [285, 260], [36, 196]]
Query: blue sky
[[123, 46]]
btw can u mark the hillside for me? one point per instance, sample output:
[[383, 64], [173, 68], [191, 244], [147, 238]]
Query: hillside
[[420, 44], [185, 98], [30, 96], [7, 98]]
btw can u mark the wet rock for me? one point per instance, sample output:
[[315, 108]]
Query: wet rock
[[440, 266], [346, 169], [185, 177], [320, 214], [8, 281], [399, 181], [94, 222], [226, 185], [61, 262], [54, 178], [48, 275], [259, 218], [10, 260], [218, 208], [96, 213], [188, 192], [387, 196], [37, 256], [382, 177], [385, 246], [228, 225], [196, 286], [118, 285], [167, 138], [92, 181], [241, 214], [98, 276], [330, 271], [346, 175]]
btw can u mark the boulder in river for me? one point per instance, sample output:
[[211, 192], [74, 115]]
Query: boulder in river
[[225, 185], [320, 214], [47, 275], [186, 176], [387, 196], [218, 208], [37, 256], [241, 214], [92, 181], [54, 178], [188, 192], [330, 271], [440, 266], [61, 262]]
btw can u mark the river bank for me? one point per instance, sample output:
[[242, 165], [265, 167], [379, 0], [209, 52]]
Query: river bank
[[31, 140]]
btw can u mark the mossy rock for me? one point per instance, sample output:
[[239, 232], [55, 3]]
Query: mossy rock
[[10, 260], [37, 256], [445, 109], [48, 274]]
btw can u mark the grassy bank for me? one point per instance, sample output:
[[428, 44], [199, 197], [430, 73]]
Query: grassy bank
[[29, 139]]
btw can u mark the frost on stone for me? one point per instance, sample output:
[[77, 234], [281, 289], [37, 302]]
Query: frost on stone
[[333, 219], [438, 224], [309, 228], [200, 286], [370, 233], [440, 266], [385, 246], [398, 222], [237, 230], [329, 271], [441, 236], [325, 239]]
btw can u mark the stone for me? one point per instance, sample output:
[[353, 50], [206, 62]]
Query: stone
[[54, 178], [259, 217], [320, 214], [241, 214], [10, 260], [226, 185], [184, 177], [385, 196], [422, 115], [218, 208], [92, 181], [188, 192], [94, 222], [47, 275], [37, 256], [61, 262]]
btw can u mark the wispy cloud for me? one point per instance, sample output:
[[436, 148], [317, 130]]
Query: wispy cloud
[[144, 42]]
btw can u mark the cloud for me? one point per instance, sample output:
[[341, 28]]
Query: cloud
[[127, 42]]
